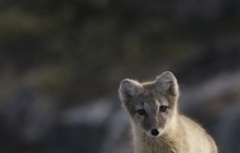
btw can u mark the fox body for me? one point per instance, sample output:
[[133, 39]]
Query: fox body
[[157, 125]]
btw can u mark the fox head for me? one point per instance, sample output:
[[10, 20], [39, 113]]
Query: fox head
[[151, 105]]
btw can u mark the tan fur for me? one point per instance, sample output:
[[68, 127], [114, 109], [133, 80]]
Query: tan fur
[[185, 136], [181, 134]]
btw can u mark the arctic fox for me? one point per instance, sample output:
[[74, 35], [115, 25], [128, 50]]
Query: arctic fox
[[157, 125]]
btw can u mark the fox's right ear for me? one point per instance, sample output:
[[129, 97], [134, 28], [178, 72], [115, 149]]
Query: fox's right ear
[[167, 82], [129, 88]]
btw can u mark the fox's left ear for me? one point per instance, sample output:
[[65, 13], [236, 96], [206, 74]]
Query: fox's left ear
[[128, 89], [167, 83]]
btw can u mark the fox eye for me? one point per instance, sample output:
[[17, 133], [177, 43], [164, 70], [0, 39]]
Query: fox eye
[[141, 112], [163, 108]]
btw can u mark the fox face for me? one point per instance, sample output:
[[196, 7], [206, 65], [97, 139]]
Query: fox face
[[151, 105]]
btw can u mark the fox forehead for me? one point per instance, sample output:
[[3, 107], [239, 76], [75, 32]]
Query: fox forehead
[[150, 92], [150, 96]]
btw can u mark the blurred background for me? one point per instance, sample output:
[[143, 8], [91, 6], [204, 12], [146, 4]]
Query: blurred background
[[61, 63]]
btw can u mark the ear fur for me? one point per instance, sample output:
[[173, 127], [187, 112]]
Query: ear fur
[[129, 88], [167, 83]]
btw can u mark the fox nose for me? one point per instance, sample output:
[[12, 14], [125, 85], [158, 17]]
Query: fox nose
[[154, 132]]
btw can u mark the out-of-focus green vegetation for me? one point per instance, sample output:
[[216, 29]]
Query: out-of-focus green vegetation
[[80, 49]]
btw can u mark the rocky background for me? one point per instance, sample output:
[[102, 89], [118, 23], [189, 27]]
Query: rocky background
[[61, 63]]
